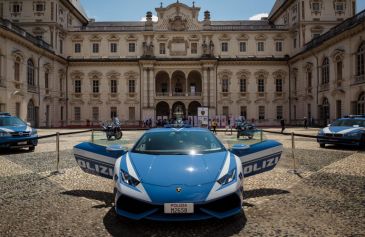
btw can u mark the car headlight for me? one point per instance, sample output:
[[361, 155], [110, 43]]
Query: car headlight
[[228, 178], [34, 132], [320, 133], [4, 134], [128, 179]]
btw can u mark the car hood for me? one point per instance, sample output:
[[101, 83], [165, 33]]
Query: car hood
[[167, 170], [22, 128], [341, 129]]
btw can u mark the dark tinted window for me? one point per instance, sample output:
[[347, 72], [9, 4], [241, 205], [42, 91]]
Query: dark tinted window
[[11, 121], [349, 122]]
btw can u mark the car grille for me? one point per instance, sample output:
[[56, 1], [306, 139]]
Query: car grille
[[333, 135], [224, 204], [20, 134]]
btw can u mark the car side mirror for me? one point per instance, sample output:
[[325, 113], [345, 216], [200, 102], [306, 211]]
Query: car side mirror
[[116, 148], [240, 147], [28, 124], [328, 125]]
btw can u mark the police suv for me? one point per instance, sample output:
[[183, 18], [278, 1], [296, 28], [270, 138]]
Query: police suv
[[349, 130], [15, 133]]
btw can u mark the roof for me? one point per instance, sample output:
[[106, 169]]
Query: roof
[[153, 130], [79, 7], [276, 6]]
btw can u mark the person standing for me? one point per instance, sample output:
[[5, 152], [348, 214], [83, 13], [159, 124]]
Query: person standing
[[282, 123], [214, 126], [305, 122]]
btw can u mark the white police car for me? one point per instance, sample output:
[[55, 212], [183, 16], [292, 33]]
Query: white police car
[[344, 131], [15, 133]]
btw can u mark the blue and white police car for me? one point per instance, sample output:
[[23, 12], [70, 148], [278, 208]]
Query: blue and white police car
[[15, 133], [344, 131]]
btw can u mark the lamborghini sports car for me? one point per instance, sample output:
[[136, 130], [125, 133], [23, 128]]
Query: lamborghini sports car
[[176, 174]]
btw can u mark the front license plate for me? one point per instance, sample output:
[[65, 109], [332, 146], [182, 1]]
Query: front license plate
[[178, 208], [22, 143]]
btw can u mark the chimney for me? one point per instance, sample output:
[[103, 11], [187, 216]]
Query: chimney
[[206, 18]]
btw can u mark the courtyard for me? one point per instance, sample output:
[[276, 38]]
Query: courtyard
[[325, 198]]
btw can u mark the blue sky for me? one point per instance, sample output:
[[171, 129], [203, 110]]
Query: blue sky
[[134, 10]]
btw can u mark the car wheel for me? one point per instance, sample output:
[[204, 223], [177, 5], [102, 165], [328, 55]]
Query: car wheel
[[31, 148], [118, 135], [322, 145]]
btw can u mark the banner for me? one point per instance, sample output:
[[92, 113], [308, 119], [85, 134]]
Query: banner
[[203, 116]]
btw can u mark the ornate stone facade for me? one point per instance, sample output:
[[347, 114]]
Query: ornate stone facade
[[72, 71]]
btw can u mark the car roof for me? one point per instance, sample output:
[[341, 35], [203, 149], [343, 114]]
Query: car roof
[[174, 129]]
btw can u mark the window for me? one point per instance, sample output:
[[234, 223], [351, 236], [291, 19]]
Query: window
[[338, 109], [339, 65], [46, 79], [95, 115], [242, 47], [113, 112], [113, 86], [16, 8], [243, 111], [279, 46], [2, 107], [309, 111], [260, 85], [17, 109], [225, 86], [162, 48], [113, 47], [61, 46], [40, 37], [224, 47], [132, 113], [295, 43], [261, 112], [77, 48], [309, 79], [132, 86], [279, 112], [360, 60], [95, 86], [132, 47], [361, 104], [339, 7], [30, 73], [61, 113], [243, 85], [194, 48], [315, 35], [225, 110], [260, 46], [325, 71], [39, 7], [17, 69], [61, 84], [279, 85], [77, 86], [316, 6], [77, 114], [95, 47]]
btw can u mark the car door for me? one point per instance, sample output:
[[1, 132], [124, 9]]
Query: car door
[[97, 159], [258, 158]]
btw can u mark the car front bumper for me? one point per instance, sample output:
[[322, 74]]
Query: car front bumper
[[356, 141], [18, 142]]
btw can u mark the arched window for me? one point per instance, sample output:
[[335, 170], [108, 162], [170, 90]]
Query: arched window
[[325, 71], [30, 73], [360, 60], [361, 104], [17, 69]]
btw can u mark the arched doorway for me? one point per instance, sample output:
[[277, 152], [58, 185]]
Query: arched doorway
[[193, 108], [178, 110], [31, 113], [194, 83], [361, 104], [325, 111], [162, 84], [178, 83], [162, 110]]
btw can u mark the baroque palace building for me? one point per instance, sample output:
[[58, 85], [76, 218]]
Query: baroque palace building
[[60, 68]]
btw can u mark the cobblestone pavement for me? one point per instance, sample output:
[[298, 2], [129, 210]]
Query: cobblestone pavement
[[327, 198]]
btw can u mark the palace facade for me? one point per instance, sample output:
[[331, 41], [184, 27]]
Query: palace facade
[[60, 68]]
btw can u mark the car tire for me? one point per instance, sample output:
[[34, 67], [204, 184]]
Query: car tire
[[118, 135], [322, 145], [31, 148]]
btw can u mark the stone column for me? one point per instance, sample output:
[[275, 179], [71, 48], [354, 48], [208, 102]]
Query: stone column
[[205, 87], [145, 88]]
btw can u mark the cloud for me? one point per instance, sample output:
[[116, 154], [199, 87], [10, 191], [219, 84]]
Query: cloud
[[154, 18], [258, 16]]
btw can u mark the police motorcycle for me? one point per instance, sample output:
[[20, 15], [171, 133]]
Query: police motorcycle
[[245, 129], [112, 129]]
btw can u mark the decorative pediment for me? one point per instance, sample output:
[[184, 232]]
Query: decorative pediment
[[243, 37], [131, 75], [95, 75], [224, 37], [243, 101], [243, 74], [317, 29], [113, 75], [62, 73], [38, 30], [225, 74], [48, 67], [338, 55], [279, 37], [279, 74], [18, 55], [113, 38], [77, 75], [77, 38], [95, 38], [162, 38], [308, 66], [131, 38], [260, 37], [194, 38], [261, 74]]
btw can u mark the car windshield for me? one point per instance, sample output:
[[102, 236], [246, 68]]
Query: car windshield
[[11, 121], [178, 143], [349, 122]]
